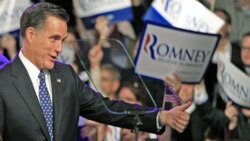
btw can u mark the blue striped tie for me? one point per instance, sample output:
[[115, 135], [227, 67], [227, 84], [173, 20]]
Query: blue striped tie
[[46, 103]]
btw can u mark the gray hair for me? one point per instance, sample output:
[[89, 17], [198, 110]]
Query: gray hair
[[36, 15], [113, 70]]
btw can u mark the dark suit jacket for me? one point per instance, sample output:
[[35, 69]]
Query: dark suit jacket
[[21, 117]]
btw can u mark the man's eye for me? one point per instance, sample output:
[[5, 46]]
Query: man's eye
[[54, 38]]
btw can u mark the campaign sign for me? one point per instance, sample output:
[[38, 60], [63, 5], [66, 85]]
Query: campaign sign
[[113, 10], [10, 13], [185, 14], [164, 50], [234, 82]]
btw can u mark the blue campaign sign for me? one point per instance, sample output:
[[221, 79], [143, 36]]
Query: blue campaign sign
[[114, 10], [189, 15], [153, 16]]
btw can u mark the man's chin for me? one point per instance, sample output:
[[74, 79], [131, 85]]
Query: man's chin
[[247, 64], [50, 67]]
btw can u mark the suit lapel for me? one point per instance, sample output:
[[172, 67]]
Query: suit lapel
[[25, 87], [57, 82]]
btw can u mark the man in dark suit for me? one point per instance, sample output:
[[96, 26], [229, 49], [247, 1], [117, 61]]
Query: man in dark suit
[[41, 99]]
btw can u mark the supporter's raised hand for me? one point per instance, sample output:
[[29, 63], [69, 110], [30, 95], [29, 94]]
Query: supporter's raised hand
[[184, 91], [103, 27], [232, 114], [95, 56], [174, 81]]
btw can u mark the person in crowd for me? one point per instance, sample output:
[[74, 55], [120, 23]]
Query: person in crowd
[[8, 43], [243, 124], [134, 93], [106, 79], [231, 52], [68, 56], [234, 120], [3, 59], [237, 117], [42, 99], [201, 111], [225, 47], [239, 10]]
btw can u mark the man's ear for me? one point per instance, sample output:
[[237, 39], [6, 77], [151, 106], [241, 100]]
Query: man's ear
[[30, 33]]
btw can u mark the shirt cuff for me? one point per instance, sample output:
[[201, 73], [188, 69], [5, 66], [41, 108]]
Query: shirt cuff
[[200, 96], [158, 122]]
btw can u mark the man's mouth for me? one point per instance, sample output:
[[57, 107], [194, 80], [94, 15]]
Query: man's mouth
[[53, 58]]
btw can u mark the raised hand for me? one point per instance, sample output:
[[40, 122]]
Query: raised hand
[[95, 56], [174, 81], [103, 27], [232, 114]]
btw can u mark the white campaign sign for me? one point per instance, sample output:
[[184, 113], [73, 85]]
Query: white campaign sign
[[188, 14], [10, 13], [234, 82], [165, 50], [86, 8]]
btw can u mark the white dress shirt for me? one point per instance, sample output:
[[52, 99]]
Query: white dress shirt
[[33, 72]]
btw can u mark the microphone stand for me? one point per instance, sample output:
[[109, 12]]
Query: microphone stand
[[137, 121]]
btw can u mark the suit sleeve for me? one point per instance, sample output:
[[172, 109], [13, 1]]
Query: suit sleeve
[[92, 107]]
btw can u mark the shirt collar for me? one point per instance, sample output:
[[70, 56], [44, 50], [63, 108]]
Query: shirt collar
[[32, 70]]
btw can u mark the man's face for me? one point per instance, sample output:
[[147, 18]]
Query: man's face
[[46, 43], [108, 84], [245, 50], [127, 95]]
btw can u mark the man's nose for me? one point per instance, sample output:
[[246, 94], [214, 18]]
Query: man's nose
[[58, 47]]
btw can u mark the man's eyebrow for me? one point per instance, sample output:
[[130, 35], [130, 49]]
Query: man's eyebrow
[[58, 37], [55, 36]]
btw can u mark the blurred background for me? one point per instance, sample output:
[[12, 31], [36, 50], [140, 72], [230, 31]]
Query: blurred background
[[214, 117]]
